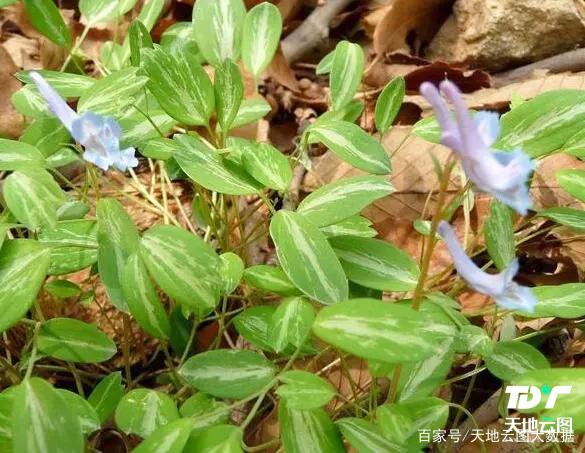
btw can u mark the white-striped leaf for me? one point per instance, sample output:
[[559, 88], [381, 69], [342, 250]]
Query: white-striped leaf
[[352, 226], [44, 15], [303, 390], [185, 267], [307, 258], [85, 412], [218, 27], [73, 245], [143, 411], [573, 181], [499, 235], [366, 436], [136, 129], [180, 85], [337, 201], [142, 299], [117, 239], [291, 323], [562, 301], [220, 438], [353, 145], [346, 73], [253, 325], [208, 168], [571, 217], [204, 411], [324, 66], [229, 93], [74, 340], [18, 155], [66, 84], [46, 134], [33, 196], [271, 279], [28, 102], [376, 264], [509, 359], [40, 417], [23, 267], [150, 12], [251, 110], [231, 270], [388, 104], [268, 166], [376, 330], [261, 36], [96, 11], [106, 395], [159, 148], [228, 373], [170, 438], [113, 94]]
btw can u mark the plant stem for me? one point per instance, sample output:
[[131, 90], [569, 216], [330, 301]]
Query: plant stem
[[76, 47]]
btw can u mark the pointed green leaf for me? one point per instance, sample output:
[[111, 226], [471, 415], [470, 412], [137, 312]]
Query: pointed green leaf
[[106, 395], [46, 134], [66, 84], [573, 181], [139, 38], [221, 438], [573, 218], [510, 359], [17, 155], [271, 279], [324, 66], [352, 226], [291, 323], [304, 391], [85, 412], [251, 110], [170, 438], [307, 258], [389, 103], [229, 93], [253, 324], [260, 37], [62, 289], [499, 235], [45, 17], [339, 200], [268, 165], [366, 437], [96, 11], [346, 73], [231, 269], [205, 411], [143, 411]]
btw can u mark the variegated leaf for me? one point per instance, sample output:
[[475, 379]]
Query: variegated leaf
[[106, 395], [352, 226], [96, 11], [388, 104], [307, 258], [271, 279], [85, 413], [251, 110], [268, 166], [337, 201], [64, 83], [346, 73], [170, 438], [143, 411], [291, 323], [229, 93], [261, 36], [16, 155]]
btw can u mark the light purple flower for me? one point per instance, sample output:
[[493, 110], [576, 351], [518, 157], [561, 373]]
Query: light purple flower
[[501, 287], [503, 174], [99, 135]]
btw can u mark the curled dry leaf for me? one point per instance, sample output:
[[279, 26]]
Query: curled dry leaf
[[11, 122]]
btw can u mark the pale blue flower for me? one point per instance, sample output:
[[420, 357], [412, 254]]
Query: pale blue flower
[[503, 174], [501, 287], [99, 135]]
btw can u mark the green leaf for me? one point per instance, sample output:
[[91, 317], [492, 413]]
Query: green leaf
[[85, 412], [253, 324], [150, 12], [388, 104], [112, 94], [260, 37], [6, 405], [307, 258], [251, 110], [566, 405], [170, 438], [106, 395], [563, 301], [544, 123], [228, 373], [208, 168], [40, 417], [45, 17], [308, 431], [138, 38], [573, 181], [509, 359], [180, 38], [19, 156], [291, 323], [574, 218], [376, 264], [218, 27], [138, 129], [324, 66], [229, 92], [268, 166], [75, 341], [62, 289], [73, 245], [117, 239], [499, 235], [346, 73], [46, 134], [33, 196], [304, 391], [96, 11], [473, 339], [160, 148], [353, 145], [66, 84], [204, 411], [339, 200], [352, 226], [72, 210], [271, 279], [365, 436], [375, 330], [143, 411], [142, 299], [23, 267], [180, 85], [183, 265], [575, 145], [221, 438], [231, 269], [28, 102]]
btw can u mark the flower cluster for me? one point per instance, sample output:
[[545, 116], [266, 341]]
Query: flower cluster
[[503, 174], [99, 135]]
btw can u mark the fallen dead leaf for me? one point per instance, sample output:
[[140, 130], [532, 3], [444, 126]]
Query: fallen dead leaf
[[11, 122]]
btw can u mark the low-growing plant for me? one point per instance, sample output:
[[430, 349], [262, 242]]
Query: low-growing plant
[[278, 329]]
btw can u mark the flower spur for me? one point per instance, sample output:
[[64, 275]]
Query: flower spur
[[99, 135], [503, 174], [501, 287]]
